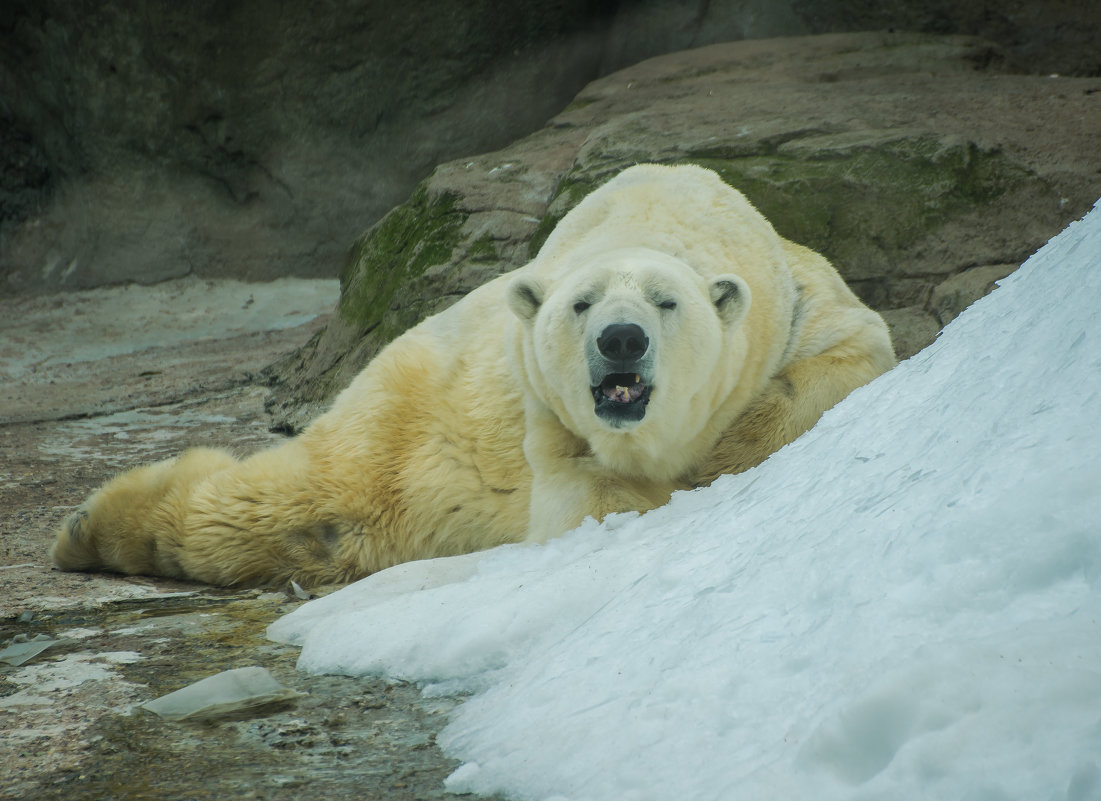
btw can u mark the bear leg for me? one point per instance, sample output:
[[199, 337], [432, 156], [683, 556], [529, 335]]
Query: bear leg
[[209, 517], [118, 527], [794, 400]]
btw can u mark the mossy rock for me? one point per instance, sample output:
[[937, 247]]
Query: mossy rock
[[863, 201], [381, 264], [808, 129], [867, 204], [414, 262], [864, 204]]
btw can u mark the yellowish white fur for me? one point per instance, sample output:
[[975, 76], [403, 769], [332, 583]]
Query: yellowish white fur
[[477, 427]]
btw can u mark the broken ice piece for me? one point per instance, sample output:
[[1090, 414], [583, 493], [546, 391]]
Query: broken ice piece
[[23, 650], [222, 694]]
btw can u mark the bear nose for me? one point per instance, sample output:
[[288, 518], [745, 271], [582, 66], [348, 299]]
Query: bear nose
[[622, 342]]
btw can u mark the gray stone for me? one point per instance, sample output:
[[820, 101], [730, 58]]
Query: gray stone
[[912, 328], [955, 294]]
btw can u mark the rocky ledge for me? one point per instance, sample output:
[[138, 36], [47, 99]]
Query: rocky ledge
[[916, 163]]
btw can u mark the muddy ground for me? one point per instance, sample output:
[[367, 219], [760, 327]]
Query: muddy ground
[[92, 383]]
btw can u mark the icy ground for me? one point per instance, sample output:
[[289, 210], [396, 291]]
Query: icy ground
[[903, 604]]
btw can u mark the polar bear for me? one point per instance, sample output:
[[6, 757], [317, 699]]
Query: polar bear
[[664, 335]]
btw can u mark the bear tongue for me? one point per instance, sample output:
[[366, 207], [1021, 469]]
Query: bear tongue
[[620, 393]]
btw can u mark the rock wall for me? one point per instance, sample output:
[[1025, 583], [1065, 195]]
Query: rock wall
[[915, 163], [146, 140], [255, 139]]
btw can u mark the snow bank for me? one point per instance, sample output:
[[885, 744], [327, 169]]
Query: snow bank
[[904, 603]]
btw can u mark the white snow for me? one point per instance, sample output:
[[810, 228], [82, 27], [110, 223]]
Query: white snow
[[903, 604]]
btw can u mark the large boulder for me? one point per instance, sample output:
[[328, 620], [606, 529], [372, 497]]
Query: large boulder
[[914, 162]]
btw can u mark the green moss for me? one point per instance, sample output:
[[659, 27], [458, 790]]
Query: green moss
[[862, 203], [572, 189], [855, 204], [482, 249], [420, 233], [546, 225]]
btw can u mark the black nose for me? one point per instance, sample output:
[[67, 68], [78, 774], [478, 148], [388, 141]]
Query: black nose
[[622, 342]]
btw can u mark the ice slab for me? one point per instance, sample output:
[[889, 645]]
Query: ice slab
[[222, 694]]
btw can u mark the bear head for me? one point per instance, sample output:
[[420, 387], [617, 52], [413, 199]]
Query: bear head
[[630, 348]]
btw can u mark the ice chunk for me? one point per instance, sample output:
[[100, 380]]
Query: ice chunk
[[222, 694], [23, 650]]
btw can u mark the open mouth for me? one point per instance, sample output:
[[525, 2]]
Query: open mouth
[[621, 397]]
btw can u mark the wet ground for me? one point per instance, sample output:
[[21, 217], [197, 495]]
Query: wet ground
[[92, 383]]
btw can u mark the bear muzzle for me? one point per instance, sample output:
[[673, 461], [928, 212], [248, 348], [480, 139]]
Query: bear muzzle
[[620, 364]]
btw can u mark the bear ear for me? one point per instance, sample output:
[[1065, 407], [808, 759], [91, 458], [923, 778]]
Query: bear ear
[[525, 296], [731, 297]]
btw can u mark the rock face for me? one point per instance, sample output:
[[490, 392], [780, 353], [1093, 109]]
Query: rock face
[[915, 163], [254, 140]]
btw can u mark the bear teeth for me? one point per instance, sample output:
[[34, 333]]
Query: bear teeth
[[621, 388]]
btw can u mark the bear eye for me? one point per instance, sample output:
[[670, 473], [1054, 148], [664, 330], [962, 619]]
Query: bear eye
[[667, 304], [581, 306]]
